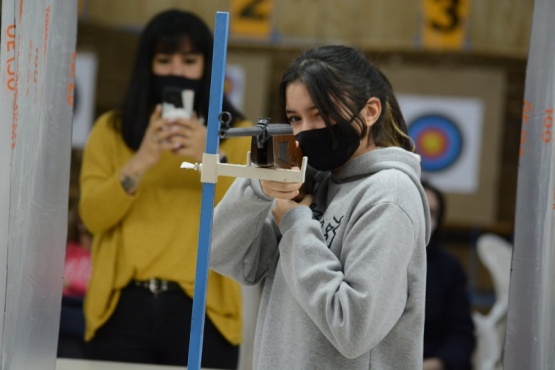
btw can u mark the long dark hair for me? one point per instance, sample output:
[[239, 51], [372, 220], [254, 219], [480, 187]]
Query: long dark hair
[[166, 32], [340, 79]]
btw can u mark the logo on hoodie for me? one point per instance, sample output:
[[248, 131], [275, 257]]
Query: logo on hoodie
[[329, 227]]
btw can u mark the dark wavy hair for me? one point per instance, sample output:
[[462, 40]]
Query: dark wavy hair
[[167, 32], [442, 209], [340, 79]]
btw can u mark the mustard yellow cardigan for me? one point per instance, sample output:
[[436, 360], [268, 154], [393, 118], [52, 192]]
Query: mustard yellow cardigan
[[153, 233]]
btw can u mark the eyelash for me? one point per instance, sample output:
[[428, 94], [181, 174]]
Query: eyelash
[[293, 119], [190, 61]]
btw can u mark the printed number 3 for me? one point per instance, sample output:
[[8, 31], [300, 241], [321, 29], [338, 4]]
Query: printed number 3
[[450, 9]]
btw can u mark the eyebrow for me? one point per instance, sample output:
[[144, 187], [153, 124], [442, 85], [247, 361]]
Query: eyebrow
[[183, 53], [289, 111]]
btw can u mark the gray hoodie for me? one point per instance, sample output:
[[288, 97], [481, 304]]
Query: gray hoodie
[[344, 280]]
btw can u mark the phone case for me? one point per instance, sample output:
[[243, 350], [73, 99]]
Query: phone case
[[178, 103]]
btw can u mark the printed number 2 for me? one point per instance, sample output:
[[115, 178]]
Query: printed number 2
[[450, 10], [250, 10]]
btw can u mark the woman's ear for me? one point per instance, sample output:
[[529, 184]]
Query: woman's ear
[[372, 111]]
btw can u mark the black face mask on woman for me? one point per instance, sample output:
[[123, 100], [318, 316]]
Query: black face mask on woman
[[318, 146], [159, 83]]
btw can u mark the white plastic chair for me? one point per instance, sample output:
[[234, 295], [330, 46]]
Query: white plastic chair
[[495, 253]]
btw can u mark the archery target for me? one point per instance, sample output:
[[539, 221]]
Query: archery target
[[438, 140], [447, 132]]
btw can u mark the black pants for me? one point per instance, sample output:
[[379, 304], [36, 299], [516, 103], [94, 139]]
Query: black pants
[[148, 328], [72, 328]]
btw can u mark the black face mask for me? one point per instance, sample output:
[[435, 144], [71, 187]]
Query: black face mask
[[159, 83], [323, 155]]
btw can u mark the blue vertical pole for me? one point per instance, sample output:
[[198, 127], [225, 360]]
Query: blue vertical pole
[[208, 190]]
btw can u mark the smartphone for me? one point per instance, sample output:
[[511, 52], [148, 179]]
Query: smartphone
[[178, 103]]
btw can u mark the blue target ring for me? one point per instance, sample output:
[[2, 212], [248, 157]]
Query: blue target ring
[[438, 141]]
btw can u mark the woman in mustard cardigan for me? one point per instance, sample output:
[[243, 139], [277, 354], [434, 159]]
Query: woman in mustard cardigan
[[144, 211]]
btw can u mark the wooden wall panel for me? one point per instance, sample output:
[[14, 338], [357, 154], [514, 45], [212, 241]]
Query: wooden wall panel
[[258, 68], [135, 13], [479, 207], [500, 26], [115, 50], [298, 21], [493, 26], [388, 24]]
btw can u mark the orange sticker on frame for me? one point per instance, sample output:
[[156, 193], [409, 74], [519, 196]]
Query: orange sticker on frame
[[251, 17]]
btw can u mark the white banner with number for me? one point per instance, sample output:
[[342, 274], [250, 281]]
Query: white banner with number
[[530, 335], [35, 174], [7, 79]]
